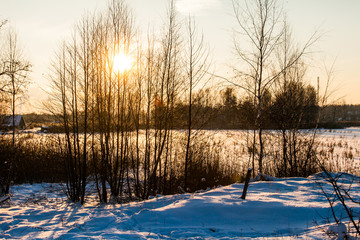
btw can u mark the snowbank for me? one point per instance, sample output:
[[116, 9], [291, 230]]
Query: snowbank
[[292, 207]]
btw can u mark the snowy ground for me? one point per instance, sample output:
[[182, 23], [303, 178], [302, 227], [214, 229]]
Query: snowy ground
[[284, 208]]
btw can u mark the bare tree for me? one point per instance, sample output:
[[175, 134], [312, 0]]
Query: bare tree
[[260, 23], [119, 24], [72, 81], [197, 67], [150, 71], [15, 78], [165, 89]]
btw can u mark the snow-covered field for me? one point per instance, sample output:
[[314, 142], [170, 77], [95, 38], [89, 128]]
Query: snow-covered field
[[283, 208], [341, 147]]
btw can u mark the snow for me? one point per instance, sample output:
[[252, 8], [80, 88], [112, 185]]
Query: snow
[[283, 208], [338, 230], [291, 208]]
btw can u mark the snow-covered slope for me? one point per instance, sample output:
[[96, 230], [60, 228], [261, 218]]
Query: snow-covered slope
[[293, 207]]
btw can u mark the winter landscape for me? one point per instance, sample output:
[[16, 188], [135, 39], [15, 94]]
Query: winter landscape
[[179, 119], [280, 208], [274, 208]]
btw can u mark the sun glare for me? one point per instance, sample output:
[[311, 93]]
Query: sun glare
[[122, 62]]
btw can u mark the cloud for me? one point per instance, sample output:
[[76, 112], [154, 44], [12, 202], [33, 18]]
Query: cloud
[[196, 6]]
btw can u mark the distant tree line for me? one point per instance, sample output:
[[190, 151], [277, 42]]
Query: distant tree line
[[227, 109], [340, 115], [231, 111], [295, 106]]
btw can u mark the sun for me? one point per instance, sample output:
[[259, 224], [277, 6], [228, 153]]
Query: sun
[[122, 62]]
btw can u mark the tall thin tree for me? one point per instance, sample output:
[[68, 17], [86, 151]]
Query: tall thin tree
[[197, 66], [16, 69]]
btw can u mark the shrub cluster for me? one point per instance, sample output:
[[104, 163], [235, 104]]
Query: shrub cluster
[[40, 158]]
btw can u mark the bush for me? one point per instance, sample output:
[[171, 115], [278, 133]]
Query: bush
[[37, 159]]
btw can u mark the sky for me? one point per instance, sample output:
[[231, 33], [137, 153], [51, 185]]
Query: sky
[[42, 24]]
